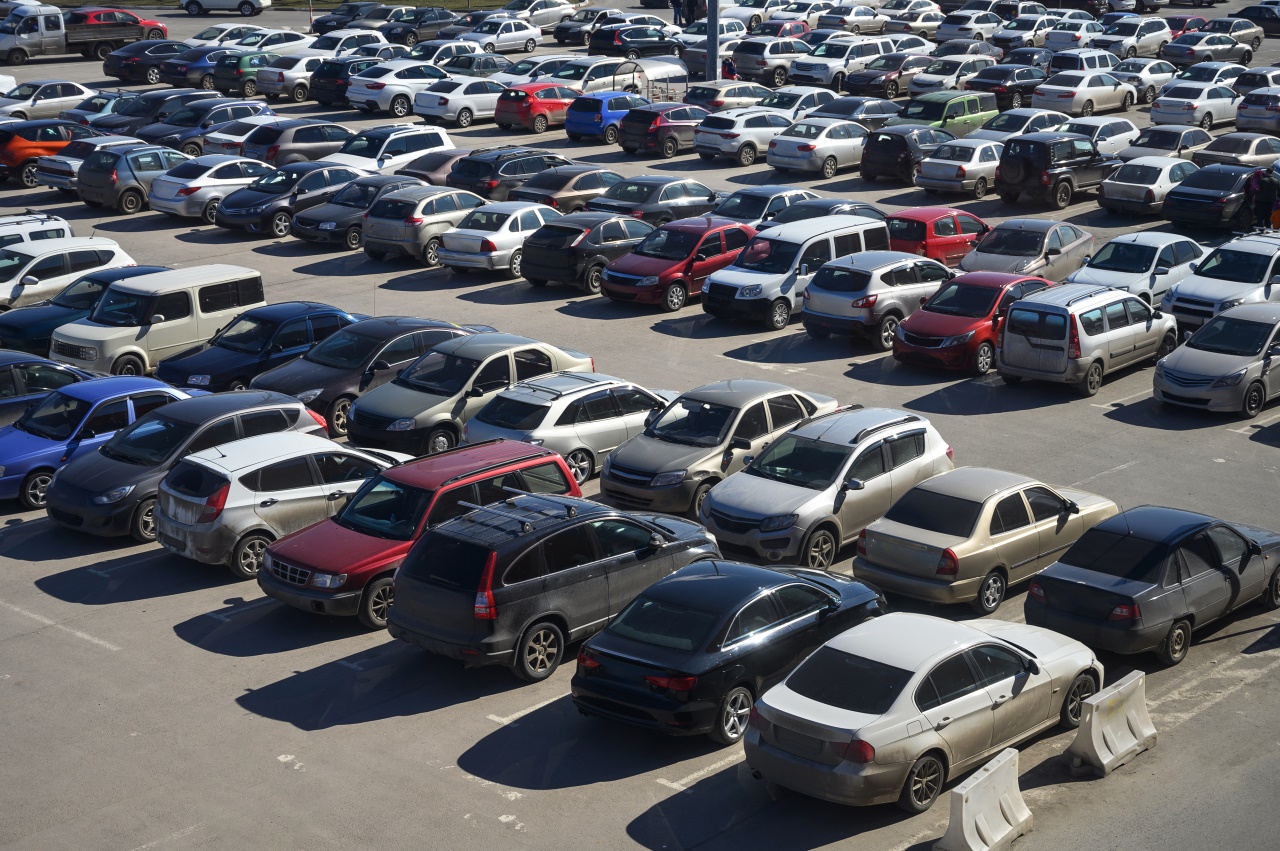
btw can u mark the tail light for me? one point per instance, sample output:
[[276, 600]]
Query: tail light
[[960, 172], [653, 125], [762, 63], [487, 245], [617, 37], [951, 454], [997, 172], [115, 176], [1125, 612], [1188, 107], [858, 751], [188, 190], [1149, 196], [239, 72], [730, 135], [597, 118], [948, 564], [1075, 38], [551, 202], [806, 148], [491, 184], [865, 301], [862, 543], [999, 89], [673, 683], [715, 103], [320, 421], [374, 87], [133, 59], [442, 101], [1036, 592], [593, 362], [1044, 178], [756, 721], [1073, 343], [586, 661], [214, 504], [181, 69], [1066, 94], [271, 152], [485, 610], [773, 145], [414, 221], [639, 214]]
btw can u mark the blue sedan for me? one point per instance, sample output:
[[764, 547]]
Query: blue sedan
[[598, 115], [69, 423]]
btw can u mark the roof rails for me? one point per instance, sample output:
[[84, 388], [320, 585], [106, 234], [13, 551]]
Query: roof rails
[[869, 430], [526, 525], [494, 466], [551, 393], [1090, 294], [840, 409]]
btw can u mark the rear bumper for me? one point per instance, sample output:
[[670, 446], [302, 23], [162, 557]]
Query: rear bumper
[[674, 719], [470, 654], [1128, 206], [1100, 635], [804, 163], [1203, 215], [946, 185], [345, 604], [96, 194], [406, 249], [1074, 372], [1261, 125], [844, 326], [846, 783], [919, 587], [496, 260], [534, 267], [212, 544], [315, 234]]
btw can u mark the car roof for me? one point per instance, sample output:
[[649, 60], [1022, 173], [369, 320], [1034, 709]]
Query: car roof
[[8, 356], [432, 471], [1155, 523], [1151, 237], [520, 515], [45, 246], [381, 327], [926, 214], [716, 585], [992, 279], [198, 409], [868, 261], [416, 193], [1038, 225], [264, 448], [736, 392], [586, 219], [851, 426], [807, 228], [701, 224], [484, 345], [974, 482], [288, 309], [906, 640], [555, 386]]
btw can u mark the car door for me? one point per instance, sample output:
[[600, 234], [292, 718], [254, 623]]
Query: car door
[[313, 189], [599, 424], [1119, 335], [171, 327], [1056, 527], [107, 417], [634, 406], [758, 645], [1246, 573], [1014, 537], [629, 559], [706, 259], [493, 376], [576, 580], [945, 243], [341, 475], [958, 708], [1206, 587], [288, 495], [1146, 333], [395, 355], [1021, 699], [867, 492]]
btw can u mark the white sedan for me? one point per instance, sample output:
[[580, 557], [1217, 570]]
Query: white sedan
[[1145, 264], [501, 35], [949, 73], [1083, 93], [491, 237], [911, 44], [1110, 135], [1148, 76], [803, 10], [968, 23], [1019, 122], [1222, 73], [279, 42], [898, 706], [1205, 104], [459, 99], [531, 69], [220, 34], [696, 33]]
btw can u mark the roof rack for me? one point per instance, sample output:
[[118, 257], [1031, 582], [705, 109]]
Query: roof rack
[[840, 409], [1090, 294], [526, 525], [494, 466], [869, 430], [551, 393]]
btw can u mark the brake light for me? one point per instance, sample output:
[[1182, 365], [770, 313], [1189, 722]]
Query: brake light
[[999, 89], [639, 214], [551, 202], [214, 504], [865, 301], [271, 152], [1075, 38], [115, 176], [715, 103], [948, 564], [593, 362], [1066, 94], [960, 172], [239, 72], [858, 751], [806, 148], [1125, 612], [1149, 196], [756, 721], [491, 184], [133, 59], [485, 610], [951, 454], [442, 101], [997, 172], [373, 87], [1036, 592], [1044, 178], [487, 245], [862, 542], [414, 221], [729, 135], [1073, 343], [320, 421], [188, 190], [617, 37], [673, 683], [773, 145], [1188, 107], [586, 661], [653, 125]]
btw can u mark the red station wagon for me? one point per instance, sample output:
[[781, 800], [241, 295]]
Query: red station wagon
[[940, 233], [534, 106], [344, 565], [670, 265]]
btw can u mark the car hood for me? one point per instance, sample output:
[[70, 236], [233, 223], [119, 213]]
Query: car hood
[[737, 277], [205, 360], [1200, 362], [155, 131], [17, 446], [37, 320], [6, 103], [362, 163], [976, 261], [1044, 643], [302, 374], [96, 473], [85, 331], [330, 548], [110, 122], [651, 455], [246, 197], [933, 79], [636, 264], [926, 323], [1209, 288], [396, 401], [755, 496], [1103, 278]]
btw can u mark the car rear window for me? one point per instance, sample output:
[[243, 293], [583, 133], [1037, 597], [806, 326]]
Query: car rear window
[[588, 105], [195, 480], [845, 681], [1113, 554], [1068, 81], [510, 413], [936, 512], [1142, 175], [664, 624], [392, 208], [1228, 145], [264, 136], [751, 48], [449, 562], [284, 62], [837, 280], [717, 122], [551, 180], [1185, 92], [472, 168], [101, 161], [237, 128], [556, 236], [1209, 178], [186, 170], [906, 229], [1034, 323]]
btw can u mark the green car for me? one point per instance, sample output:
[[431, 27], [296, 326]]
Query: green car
[[237, 73], [959, 113]]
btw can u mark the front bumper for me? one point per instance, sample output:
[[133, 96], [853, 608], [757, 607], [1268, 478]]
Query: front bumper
[[811, 79], [663, 716], [314, 233], [780, 545], [1226, 399], [409, 442], [950, 357], [1114, 636], [252, 222], [847, 783], [490, 262], [919, 587], [344, 603], [636, 295], [672, 499], [736, 308], [78, 511], [209, 543]]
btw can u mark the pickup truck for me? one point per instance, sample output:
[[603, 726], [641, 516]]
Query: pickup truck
[[46, 31]]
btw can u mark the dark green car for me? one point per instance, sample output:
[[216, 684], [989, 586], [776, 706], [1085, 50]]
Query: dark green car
[[959, 113], [237, 73]]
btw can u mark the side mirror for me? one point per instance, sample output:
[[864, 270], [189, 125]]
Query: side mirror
[[1033, 667], [652, 415], [1072, 507], [1254, 548], [475, 392], [1274, 351], [86, 433], [1194, 266], [656, 541], [157, 318], [924, 299], [379, 365], [854, 485], [1157, 313], [1275, 279], [1054, 252], [739, 443], [29, 281], [803, 270], [747, 459], [1186, 335], [1162, 270]]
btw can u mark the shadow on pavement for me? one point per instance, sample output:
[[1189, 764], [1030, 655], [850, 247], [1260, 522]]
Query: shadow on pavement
[[1148, 413], [791, 348], [266, 630], [988, 395], [137, 576]]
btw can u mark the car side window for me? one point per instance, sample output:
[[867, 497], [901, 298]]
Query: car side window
[[109, 417], [568, 549], [263, 422], [173, 306], [291, 474], [1045, 504], [531, 363], [1197, 556], [970, 226], [1167, 258], [616, 537], [545, 478], [42, 377], [1139, 313], [291, 336], [494, 375], [797, 600], [784, 410], [905, 448], [735, 239], [223, 431], [612, 232], [945, 226], [338, 467], [145, 403], [753, 423], [1091, 322], [1230, 546], [816, 254], [1081, 148], [1054, 240], [313, 182], [996, 664], [399, 351], [949, 681], [869, 464], [1010, 514], [1116, 316], [635, 229], [757, 615]]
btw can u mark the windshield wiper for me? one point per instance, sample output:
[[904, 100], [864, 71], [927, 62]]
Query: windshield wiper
[[120, 456]]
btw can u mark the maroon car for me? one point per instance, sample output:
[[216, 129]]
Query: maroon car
[[672, 263], [957, 327]]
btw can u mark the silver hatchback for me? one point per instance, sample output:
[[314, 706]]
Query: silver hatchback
[[194, 189], [1227, 365], [866, 295], [409, 222]]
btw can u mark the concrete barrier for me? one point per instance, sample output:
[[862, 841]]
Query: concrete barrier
[[1114, 728], [987, 810]]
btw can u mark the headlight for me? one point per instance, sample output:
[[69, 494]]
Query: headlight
[[1166, 301], [1227, 305], [879, 79], [1230, 380], [1160, 368], [113, 495], [267, 561], [781, 521], [403, 424], [309, 395], [257, 209], [198, 380], [604, 468], [328, 225], [328, 580], [663, 480], [706, 286], [397, 29], [650, 281], [752, 291], [957, 340]]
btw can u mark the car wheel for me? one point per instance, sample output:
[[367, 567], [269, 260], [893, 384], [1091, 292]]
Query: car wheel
[[1246, 58], [465, 117], [632, 54], [250, 88], [351, 239], [1167, 345], [779, 315], [192, 150], [886, 332], [837, 82], [611, 135], [580, 465], [238, 384], [1127, 103], [1061, 198], [375, 603], [923, 784], [246, 9], [130, 202], [530, 46], [19, 57], [820, 549], [1131, 53], [1207, 122], [128, 365], [1271, 599], [670, 147], [206, 82], [400, 106], [153, 75], [980, 189], [1176, 644], [731, 718], [516, 257], [539, 124], [155, 34], [674, 298], [779, 77], [490, 48], [1087, 109], [1255, 397], [984, 359], [410, 38], [592, 281], [539, 652], [439, 440], [699, 497], [27, 175], [830, 167], [280, 224], [209, 215], [1149, 95], [586, 38], [890, 90], [193, 9], [754, 22], [855, 30], [1255, 44], [1092, 380], [246, 558], [35, 487], [1081, 689], [990, 593], [143, 525], [339, 416], [431, 252]]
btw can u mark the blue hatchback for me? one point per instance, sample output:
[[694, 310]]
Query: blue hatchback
[[69, 423], [597, 115]]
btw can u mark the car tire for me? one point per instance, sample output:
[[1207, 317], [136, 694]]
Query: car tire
[[890, 90], [400, 106], [35, 488], [1167, 345], [142, 526], [1131, 53], [1127, 103], [27, 175], [101, 50], [706, 156], [246, 558], [351, 239], [747, 155], [1246, 58], [206, 82], [246, 10], [1061, 197], [490, 48], [192, 150], [779, 77], [1083, 687], [431, 252], [820, 549], [193, 8], [516, 257], [779, 315], [298, 93], [250, 88], [1256, 43], [439, 439], [731, 717], [129, 202], [410, 39], [990, 593], [1255, 399], [923, 784], [209, 215], [699, 497], [153, 75], [983, 359], [1271, 598], [674, 298], [128, 365], [281, 224], [238, 384], [339, 416], [1092, 381], [753, 22], [1173, 649], [375, 603], [539, 124], [885, 332], [611, 134], [1086, 109], [830, 167], [1206, 123], [1149, 94], [530, 46], [837, 82], [580, 465], [1015, 102], [670, 148], [632, 55], [586, 38], [465, 118], [19, 57], [539, 652], [594, 279]]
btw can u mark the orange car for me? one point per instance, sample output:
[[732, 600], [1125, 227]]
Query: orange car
[[22, 142]]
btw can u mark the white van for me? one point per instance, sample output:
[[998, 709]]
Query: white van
[[141, 321], [767, 282], [25, 227], [37, 270]]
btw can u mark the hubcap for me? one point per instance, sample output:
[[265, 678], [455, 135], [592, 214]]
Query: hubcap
[[984, 359], [1075, 701], [736, 712], [515, 264], [439, 443], [36, 490], [432, 254], [251, 555], [147, 522], [821, 550], [780, 316], [675, 298], [887, 331], [1254, 400], [925, 782], [380, 605], [579, 465], [992, 591], [542, 652], [1178, 642], [1095, 379], [464, 119], [339, 419], [280, 226]]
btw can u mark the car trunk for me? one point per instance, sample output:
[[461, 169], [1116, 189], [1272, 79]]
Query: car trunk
[[625, 663], [166, 188], [185, 493], [806, 739], [888, 152], [390, 219], [436, 592], [1035, 339], [466, 241], [834, 290], [552, 244], [906, 549], [941, 170], [98, 171], [637, 123], [1086, 593]]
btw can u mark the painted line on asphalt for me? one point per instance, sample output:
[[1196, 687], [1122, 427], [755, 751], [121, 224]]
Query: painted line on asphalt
[[1254, 426], [107, 645], [523, 712], [682, 785], [107, 571], [228, 614], [179, 834], [1115, 469], [1115, 403]]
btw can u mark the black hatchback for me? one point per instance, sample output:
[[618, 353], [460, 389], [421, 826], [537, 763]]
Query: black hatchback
[[632, 41], [329, 82], [140, 61], [340, 220], [1012, 85], [695, 649], [576, 248], [896, 151], [657, 199]]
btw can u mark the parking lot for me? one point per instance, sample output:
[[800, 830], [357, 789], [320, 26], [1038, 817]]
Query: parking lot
[[149, 702]]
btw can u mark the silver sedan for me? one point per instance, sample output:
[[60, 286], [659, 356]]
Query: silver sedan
[[965, 165], [503, 35], [818, 144], [194, 189], [491, 237]]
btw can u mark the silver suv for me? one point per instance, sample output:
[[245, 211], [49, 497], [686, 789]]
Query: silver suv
[[1077, 333], [1228, 365], [1130, 37], [740, 134], [582, 415], [408, 222], [867, 295], [815, 488]]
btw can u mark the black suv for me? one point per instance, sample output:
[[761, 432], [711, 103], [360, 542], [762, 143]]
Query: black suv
[[1052, 167], [495, 172], [512, 583]]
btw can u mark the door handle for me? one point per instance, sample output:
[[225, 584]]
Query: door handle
[[999, 700], [943, 723], [267, 503], [337, 495]]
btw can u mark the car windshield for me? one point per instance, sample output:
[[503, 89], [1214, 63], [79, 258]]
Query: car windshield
[[693, 423], [801, 461], [939, 513], [1123, 28], [960, 299], [1021, 24], [663, 624], [1165, 140], [23, 92], [149, 441], [943, 67], [741, 206], [781, 100], [82, 295], [768, 255], [571, 71], [1228, 264], [1114, 554], [362, 145], [831, 50], [505, 412], [927, 110], [1191, 38], [1226, 335], [752, 4], [485, 220], [960, 153], [1140, 175], [55, 418], [275, 182], [1218, 25], [884, 63], [1011, 243], [667, 244], [247, 334], [524, 67], [209, 34], [122, 309], [835, 678], [438, 373], [385, 509], [347, 349], [356, 195]]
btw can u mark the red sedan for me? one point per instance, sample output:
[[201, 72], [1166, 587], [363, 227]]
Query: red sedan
[[101, 15], [534, 106], [939, 233], [958, 326], [1180, 24]]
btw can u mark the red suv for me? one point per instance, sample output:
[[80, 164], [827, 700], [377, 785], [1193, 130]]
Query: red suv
[[940, 233], [672, 262], [534, 106], [957, 327], [343, 565]]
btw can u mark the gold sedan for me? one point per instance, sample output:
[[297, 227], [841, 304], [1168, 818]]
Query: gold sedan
[[966, 535]]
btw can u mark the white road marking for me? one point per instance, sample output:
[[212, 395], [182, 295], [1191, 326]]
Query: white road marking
[[1115, 469], [682, 785], [1231, 674], [1116, 402], [523, 712], [107, 571], [1255, 425], [227, 615], [107, 645], [186, 831]]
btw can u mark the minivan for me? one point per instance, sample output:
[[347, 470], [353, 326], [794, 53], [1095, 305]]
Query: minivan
[[959, 113], [140, 321], [1082, 59], [768, 280]]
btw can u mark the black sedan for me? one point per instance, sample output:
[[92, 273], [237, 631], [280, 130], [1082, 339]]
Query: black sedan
[[30, 329], [870, 112], [355, 360], [254, 342], [344, 14], [1213, 196], [578, 29], [575, 248], [692, 653], [1267, 17], [1034, 57], [657, 199], [26, 379], [1011, 84], [1141, 581], [141, 60], [339, 220], [423, 25], [632, 42], [885, 75], [267, 205]]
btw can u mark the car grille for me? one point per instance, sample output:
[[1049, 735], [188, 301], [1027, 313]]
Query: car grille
[[729, 523], [69, 351], [626, 500], [289, 573], [1193, 307], [1186, 400], [627, 474], [64, 517], [806, 67], [623, 280], [922, 342], [722, 291], [1183, 380], [364, 419], [308, 223]]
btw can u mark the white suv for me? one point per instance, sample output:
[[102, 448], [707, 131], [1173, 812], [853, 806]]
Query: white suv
[[1130, 37], [392, 86], [1243, 271], [740, 134], [26, 227], [389, 147], [37, 270]]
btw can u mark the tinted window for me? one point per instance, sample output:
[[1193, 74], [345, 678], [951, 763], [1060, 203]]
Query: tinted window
[[1119, 555], [263, 422], [546, 478], [147, 403], [936, 512], [1010, 514], [849, 682], [996, 663], [869, 464], [109, 417], [664, 624], [445, 561], [784, 410], [753, 423], [906, 448], [1045, 504], [286, 475], [339, 467], [950, 680], [795, 600], [568, 549], [215, 435], [619, 537], [756, 616]]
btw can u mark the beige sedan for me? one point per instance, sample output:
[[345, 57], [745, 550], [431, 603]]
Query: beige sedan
[[966, 535]]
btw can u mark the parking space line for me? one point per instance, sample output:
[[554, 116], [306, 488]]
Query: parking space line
[[179, 834], [682, 785], [107, 645], [1115, 403], [1254, 426], [1115, 469], [228, 614], [523, 712]]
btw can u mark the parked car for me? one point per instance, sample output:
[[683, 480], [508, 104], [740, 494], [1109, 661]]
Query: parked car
[[492, 173], [391, 86], [267, 205], [755, 205], [60, 170], [340, 43], [1032, 57], [1205, 47], [279, 42], [295, 140], [1084, 93], [341, 219], [670, 265], [667, 128], [1221, 73], [23, 143], [422, 24], [145, 109], [1167, 141], [1019, 122], [534, 106], [716, 95], [567, 188], [1251, 149], [1130, 37], [411, 221], [948, 73], [870, 112], [1257, 110], [1141, 185], [753, 12], [822, 145], [330, 82], [943, 234], [440, 50], [1052, 166], [183, 128], [577, 247], [865, 296], [1225, 365], [502, 35], [193, 67], [459, 99], [1023, 31], [1147, 76], [229, 138], [288, 76], [433, 169], [738, 134], [97, 105], [531, 69], [1022, 246], [384, 149], [817, 208], [28, 379], [491, 237], [1240, 271], [894, 152], [1012, 85], [1239, 28], [344, 14], [599, 115], [1203, 104], [1264, 17], [236, 73], [767, 59], [475, 64], [578, 28], [834, 60], [218, 35], [657, 199], [967, 24], [140, 61], [42, 99], [1145, 264], [1071, 34], [35, 270], [959, 113], [195, 188]]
